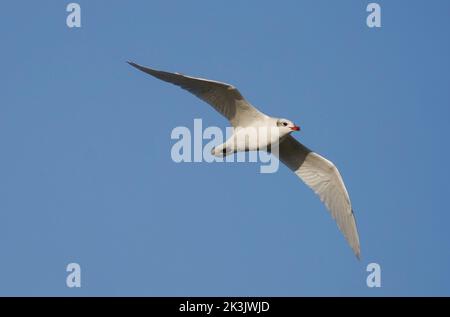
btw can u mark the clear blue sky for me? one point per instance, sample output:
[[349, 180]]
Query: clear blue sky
[[86, 174]]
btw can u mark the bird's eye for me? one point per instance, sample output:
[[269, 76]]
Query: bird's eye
[[285, 124]]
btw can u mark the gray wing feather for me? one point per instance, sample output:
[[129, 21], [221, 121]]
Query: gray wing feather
[[225, 98], [325, 180]]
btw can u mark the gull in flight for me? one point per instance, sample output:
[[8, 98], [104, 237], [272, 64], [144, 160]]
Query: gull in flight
[[314, 170]]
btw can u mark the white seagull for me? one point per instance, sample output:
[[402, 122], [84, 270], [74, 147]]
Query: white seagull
[[314, 170]]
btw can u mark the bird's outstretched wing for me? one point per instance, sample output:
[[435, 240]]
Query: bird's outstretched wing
[[225, 98], [325, 180]]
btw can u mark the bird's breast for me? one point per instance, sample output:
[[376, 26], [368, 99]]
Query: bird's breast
[[254, 138]]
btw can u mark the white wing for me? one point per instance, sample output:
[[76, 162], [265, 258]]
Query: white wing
[[225, 98], [324, 179]]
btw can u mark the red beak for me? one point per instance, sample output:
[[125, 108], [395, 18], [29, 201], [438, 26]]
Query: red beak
[[295, 128]]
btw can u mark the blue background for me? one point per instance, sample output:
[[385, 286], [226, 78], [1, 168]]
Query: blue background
[[86, 174]]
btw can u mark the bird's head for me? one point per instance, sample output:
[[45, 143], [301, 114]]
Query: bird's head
[[286, 126]]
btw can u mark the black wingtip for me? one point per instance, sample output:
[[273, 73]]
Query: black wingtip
[[132, 64], [141, 68]]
